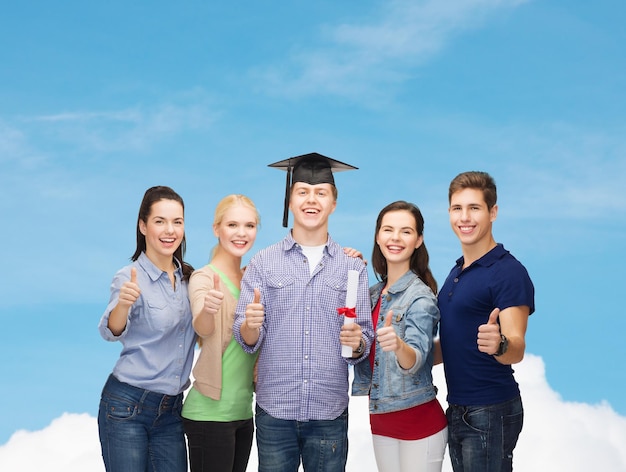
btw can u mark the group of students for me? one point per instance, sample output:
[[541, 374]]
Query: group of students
[[272, 332]]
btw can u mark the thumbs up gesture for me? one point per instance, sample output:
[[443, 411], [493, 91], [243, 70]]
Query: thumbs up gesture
[[255, 311], [489, 334], [214, 297], [387, 337], [129, 291]]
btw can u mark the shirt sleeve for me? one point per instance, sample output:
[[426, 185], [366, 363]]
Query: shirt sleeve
[[123, 275], [514, 287], [422, 318]]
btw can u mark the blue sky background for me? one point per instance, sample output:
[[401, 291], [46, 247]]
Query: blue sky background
[[99, 101]]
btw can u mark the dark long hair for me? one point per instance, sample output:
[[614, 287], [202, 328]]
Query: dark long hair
[[419, 259], [153, 195]]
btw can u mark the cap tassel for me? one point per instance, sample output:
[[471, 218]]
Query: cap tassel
[[287, 192]]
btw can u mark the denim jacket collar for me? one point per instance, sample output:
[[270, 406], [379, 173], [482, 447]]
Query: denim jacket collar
[[401, 285]]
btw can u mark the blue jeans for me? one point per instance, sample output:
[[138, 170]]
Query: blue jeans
[[140, 430], [482, 438], [323, 445]]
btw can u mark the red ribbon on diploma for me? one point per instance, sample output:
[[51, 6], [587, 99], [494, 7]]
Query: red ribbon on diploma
[[348, 312]]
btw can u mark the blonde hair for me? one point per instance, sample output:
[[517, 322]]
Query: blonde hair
[[230, 201]]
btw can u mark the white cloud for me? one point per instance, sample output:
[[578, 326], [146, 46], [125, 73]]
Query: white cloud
[[69, 444], [557, 435], [360, 57]]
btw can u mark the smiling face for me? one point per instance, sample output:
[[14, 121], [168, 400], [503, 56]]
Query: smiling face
[[311, 205], [471, 219], [237, 230], [397, 237], [164, 230]]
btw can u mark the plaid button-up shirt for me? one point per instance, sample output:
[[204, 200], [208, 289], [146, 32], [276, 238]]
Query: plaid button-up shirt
[[301, 374]]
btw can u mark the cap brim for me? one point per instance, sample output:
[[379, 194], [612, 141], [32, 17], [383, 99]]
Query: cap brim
[[335, 165]]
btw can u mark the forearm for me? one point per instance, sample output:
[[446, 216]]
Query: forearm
[[204, 323], [406, 355], [118, 319], [513, 323], [437, 356], [514, 352], [249, 335]]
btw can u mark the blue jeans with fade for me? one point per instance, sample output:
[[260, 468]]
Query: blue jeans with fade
[[140, 430], [322, 444], [482, 438]]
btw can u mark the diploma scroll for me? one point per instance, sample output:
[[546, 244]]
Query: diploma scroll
[[349, 310]]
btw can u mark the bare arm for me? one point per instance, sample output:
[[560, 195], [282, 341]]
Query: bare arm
[[513, 324], [437, 356]]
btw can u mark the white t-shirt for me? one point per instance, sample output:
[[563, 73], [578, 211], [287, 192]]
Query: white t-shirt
[[314, 255]]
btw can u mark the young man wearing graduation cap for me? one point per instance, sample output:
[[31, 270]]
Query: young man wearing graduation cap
[[288, 311]]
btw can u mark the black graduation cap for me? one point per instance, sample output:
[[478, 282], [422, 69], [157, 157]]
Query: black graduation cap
[[312, 168]]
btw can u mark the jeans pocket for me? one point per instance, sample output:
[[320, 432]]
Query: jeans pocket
[[119, 409], [477, 419]]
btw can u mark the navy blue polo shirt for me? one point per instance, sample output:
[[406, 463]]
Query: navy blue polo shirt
[[465, 301]]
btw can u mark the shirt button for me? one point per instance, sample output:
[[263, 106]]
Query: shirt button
[[306, 357], [456, 279]]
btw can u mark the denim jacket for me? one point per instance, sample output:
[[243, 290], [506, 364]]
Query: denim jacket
[[415, 318]]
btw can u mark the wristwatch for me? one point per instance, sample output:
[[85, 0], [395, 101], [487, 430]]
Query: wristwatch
[[359, 350], [504, 345]]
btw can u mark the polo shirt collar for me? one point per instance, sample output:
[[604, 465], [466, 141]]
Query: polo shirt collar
[[488, 259]]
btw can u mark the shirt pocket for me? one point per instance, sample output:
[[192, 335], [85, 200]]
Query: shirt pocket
[[280, 291], [160, 316], [399, 318], [334, 296], [337, 286]]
